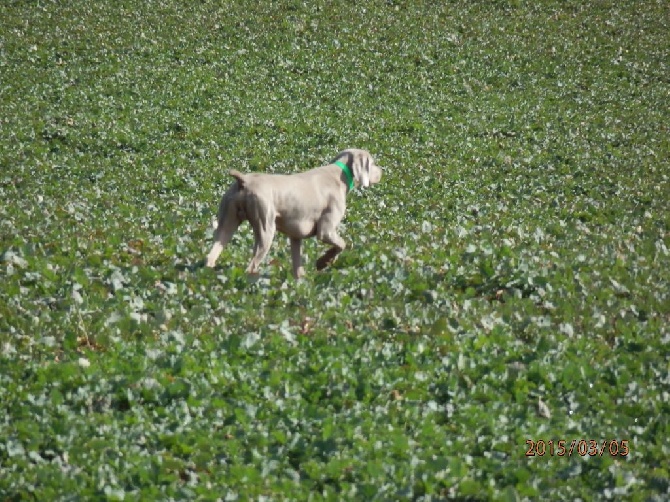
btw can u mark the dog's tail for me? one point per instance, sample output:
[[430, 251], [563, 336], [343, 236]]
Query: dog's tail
[[241, 178]]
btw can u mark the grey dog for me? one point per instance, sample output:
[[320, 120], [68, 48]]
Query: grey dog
[[307, 204]]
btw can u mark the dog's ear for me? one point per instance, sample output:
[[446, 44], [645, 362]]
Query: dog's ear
[[361, 169], [365, 177]]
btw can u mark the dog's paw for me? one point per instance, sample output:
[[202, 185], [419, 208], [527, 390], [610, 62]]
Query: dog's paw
[[252, 270], [323, 262]]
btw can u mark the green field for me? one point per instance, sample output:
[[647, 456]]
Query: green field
[[508, 280]]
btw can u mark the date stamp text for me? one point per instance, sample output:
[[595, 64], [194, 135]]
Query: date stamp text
[[582, 447]]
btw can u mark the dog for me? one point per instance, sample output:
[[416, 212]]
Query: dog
[[307, 204]]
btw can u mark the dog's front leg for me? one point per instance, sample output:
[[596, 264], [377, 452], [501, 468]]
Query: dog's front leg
[[296, 258], [338, 246]]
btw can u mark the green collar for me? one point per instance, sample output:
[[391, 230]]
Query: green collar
[[347, 173]]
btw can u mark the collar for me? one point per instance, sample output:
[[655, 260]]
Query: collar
[[347, 172]]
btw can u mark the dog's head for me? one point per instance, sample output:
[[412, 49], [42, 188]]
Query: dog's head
[[362, 166]]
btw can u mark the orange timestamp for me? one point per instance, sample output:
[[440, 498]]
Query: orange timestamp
[[582, 447]]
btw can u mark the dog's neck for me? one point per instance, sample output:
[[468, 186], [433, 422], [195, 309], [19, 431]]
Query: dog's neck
[[347, 173]]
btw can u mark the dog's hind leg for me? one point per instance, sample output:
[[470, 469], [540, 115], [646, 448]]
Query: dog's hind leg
[[222, 236], [263, 240], [229, 220], [262, 219]]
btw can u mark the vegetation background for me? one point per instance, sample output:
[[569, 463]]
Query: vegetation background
[[507, 281]]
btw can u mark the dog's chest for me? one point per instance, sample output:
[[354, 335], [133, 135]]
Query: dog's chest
[[296, 228]]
